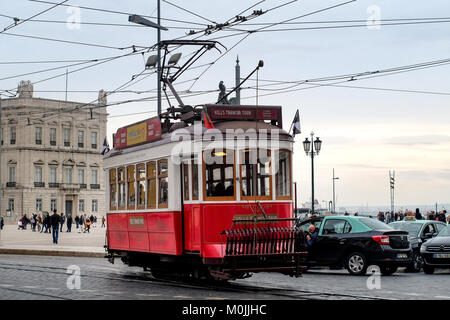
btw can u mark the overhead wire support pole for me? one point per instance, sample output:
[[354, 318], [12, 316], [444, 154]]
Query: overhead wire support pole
[[159, 59]]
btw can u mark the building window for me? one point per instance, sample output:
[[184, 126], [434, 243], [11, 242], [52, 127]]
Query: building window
[[12, 174], [13, 135], [81, 176], [219, 175], [67, 137], [52, 175], [141, 185], [68, 175], [94, 140], [94, 205], [94, 176], [283, 174], [131, 187], [194, 167], [112, 189], [11, 204], [52, 205], [256, 181], [38, 135], [81, 205], [80, 139], [53, 136], [37, 174], [38, 204], [121, 183], [163, 181], [38, 177], [151, 185]]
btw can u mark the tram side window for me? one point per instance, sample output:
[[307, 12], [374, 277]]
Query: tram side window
[[141, 185], [283, 174], [131, 203], [255, 173], [220, 175], [151, 185], [163, 180], [112, 189], [121, 183], [186, 181], [194, 167]]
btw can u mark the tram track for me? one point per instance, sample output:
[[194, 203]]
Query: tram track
[[146, 278]]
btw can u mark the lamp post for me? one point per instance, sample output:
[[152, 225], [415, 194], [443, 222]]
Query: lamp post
[[334, 198], [142, 21], [309, 150]]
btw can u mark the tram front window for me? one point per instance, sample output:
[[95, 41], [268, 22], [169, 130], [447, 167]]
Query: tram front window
[[219, 175], [121, 182], [255, 173], [283, 174], [163, 184]]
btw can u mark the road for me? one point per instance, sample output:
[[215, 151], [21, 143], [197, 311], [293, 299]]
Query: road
[[40, 277]]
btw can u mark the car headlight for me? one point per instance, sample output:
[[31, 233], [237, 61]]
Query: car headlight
[[423, 248]]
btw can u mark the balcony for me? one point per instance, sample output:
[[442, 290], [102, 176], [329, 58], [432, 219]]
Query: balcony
[[95, 186], [10, 184], [69, 186], [39, 184], [66, 144], [38, 141], [12, 141], [83, 185], [94, 146], [80, 145], [52, 143], [53, 185]]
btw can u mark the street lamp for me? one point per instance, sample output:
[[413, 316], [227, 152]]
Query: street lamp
[[142, 21], [309, 150], [334, 198]]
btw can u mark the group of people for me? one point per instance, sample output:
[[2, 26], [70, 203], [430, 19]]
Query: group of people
[[388, 217]]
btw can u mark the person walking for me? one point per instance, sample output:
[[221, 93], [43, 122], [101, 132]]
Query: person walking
[[103, 221], [62, 220], [87, 225], [2, 223], [69, 223], [55, 223], [77, 221], [418, 214]]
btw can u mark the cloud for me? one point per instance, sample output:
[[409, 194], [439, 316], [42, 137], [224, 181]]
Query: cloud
[[417, 140]]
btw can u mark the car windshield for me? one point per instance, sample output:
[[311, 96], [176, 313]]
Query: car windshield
[[375, 224], [445, 232], [412, 228]]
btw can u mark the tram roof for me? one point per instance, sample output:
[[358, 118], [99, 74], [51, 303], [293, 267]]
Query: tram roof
[[233, 127]]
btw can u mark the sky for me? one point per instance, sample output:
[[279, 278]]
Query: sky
[[365, 132]]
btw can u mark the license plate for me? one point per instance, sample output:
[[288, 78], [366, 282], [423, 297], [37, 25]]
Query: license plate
[[402, 255], [441, 255]]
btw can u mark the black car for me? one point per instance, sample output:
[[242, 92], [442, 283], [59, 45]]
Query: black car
[[419, 231], [357, 242], [436, 252]]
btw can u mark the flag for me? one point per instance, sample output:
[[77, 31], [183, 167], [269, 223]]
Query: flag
[[207, 119], [296, 124], [105, 147]]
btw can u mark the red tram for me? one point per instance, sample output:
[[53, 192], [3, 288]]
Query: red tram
[[204, 202]]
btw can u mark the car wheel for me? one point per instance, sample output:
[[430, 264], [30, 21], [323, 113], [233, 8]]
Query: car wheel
[[416, 265], [356, 264], [428, 269], [388, 270]]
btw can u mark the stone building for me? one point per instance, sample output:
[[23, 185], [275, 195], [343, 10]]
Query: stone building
[[50, 155]]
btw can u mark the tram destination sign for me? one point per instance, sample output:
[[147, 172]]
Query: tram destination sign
[[138, 133], [240, 112]]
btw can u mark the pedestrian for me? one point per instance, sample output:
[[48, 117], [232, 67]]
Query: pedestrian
[[103, 221], [2, 223], [77, 220], [431, 216], [55, 222], [418, 214], [62, 220], [87, 225], [91, 218], [69, 223], [441, 216]]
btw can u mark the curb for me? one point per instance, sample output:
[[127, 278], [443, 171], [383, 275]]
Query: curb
[[59, 253]]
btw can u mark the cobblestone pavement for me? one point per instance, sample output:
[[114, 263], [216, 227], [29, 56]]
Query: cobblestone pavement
[[40, 277]]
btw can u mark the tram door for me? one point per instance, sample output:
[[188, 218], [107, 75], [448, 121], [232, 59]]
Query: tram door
[[192, 223]]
